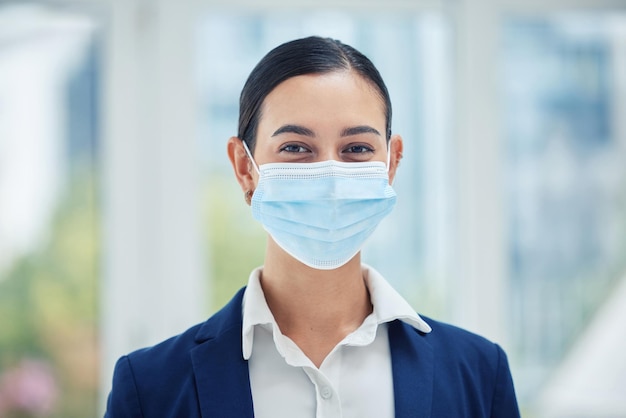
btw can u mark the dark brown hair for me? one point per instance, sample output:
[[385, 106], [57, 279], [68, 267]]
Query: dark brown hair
[[312, 55]]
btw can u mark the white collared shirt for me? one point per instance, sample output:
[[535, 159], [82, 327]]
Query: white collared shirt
[[355, 379]]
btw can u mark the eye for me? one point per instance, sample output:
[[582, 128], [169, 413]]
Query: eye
[[358, 149], [294, 148]]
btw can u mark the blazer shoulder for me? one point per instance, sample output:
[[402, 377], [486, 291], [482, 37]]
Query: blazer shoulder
[[451, 337], [165, 352], [461, 353], [475, 368], [159, 380], [177, 348], [145, 380], [458, 354]]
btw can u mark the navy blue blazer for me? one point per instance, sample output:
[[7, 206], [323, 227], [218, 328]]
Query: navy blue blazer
[[448, 372]]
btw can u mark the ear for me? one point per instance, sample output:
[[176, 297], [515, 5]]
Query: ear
[[244, 171], [395, 150]]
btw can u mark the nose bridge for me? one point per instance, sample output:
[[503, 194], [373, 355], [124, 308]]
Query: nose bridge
[[328, 150], [329, 154]]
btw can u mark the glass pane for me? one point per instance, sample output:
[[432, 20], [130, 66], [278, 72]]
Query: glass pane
[[564, 97], [48, 216], [414, 54]]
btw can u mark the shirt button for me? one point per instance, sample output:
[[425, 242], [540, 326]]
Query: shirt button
[[326, 392]]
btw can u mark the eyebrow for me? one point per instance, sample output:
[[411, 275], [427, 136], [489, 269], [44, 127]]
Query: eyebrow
[[301, 130], [358, 130], [294, 129]]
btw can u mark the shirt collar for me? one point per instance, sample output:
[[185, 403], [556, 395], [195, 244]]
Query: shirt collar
[[387, 302], [254, 311], [388, 306]]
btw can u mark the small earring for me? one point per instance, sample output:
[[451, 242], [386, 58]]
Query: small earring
[[248, 197]]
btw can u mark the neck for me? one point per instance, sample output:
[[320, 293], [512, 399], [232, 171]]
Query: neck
[[315, 308]]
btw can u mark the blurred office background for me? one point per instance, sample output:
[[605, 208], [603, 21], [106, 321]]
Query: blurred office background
[[121, 223]]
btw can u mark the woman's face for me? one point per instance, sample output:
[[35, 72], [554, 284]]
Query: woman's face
[[317, 117]]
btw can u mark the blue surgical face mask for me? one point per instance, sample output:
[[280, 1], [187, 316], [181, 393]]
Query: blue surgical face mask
[[321, 213]]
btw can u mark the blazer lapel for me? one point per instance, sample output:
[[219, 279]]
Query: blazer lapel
[[412, 365], [221, 373]]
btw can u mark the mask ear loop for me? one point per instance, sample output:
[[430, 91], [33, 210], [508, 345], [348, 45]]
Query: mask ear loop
[[256, 167], [388, 155]]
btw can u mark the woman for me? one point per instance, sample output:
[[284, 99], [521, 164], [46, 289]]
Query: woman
[[316, 333]]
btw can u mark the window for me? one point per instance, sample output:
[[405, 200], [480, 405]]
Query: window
[[48, 213], [566, 145]]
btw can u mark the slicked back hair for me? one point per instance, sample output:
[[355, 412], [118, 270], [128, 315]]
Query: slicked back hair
[[312, 55]]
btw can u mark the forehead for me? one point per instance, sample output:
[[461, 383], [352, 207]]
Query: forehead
[[338, 90]]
